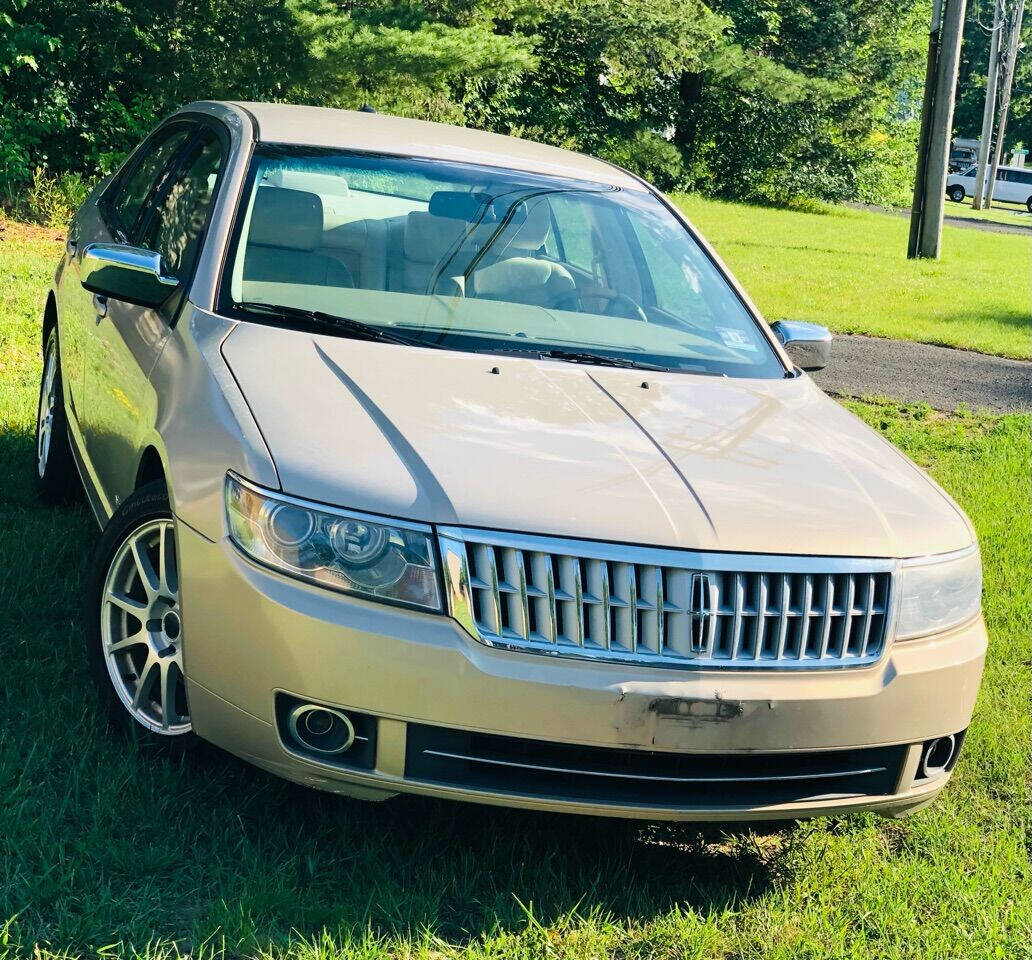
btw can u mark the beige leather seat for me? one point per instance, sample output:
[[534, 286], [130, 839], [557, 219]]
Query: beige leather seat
[[513, 274], [428, 255], [286, 230], [362, 246]]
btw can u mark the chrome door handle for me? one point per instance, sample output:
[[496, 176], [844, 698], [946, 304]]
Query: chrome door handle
[[100, 306]]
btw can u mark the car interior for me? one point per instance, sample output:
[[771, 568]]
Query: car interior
[[304, 237]]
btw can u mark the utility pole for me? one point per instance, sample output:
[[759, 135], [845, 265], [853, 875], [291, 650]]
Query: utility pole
[[934, 150], [920, 175], [1013, 45], [989, 110]]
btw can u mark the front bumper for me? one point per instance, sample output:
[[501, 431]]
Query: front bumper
[[252, 635]]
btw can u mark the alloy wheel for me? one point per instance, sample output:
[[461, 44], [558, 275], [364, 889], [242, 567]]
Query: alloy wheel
[[47, 403], [141, 629]]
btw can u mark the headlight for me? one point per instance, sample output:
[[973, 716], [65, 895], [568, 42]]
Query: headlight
[[938, 594], [370, 556]]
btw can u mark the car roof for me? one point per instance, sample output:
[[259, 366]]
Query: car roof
[[400, 136]]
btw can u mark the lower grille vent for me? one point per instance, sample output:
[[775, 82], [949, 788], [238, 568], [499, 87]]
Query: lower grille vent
[[611, 775]]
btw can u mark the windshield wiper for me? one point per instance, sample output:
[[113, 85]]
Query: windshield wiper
[[355, 328], [600, 359]]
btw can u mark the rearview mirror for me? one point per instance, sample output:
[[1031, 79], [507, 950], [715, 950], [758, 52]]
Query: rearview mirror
[[808, 344], [121, 272], [460, 205]]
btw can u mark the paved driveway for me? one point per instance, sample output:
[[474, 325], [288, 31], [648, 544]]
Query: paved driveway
[[917, 372]]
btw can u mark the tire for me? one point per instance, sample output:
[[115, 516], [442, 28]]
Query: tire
[[133, 626], [956, 193], [1028, 204], [57, 480]]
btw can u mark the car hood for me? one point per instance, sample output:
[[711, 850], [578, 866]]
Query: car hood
[[542, 446]]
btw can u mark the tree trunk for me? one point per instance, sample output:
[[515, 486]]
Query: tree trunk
[[686, 129]]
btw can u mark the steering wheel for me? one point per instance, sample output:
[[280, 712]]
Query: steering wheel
[[614, 298]]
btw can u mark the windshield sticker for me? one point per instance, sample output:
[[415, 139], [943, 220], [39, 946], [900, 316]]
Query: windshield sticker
[[735, 338]]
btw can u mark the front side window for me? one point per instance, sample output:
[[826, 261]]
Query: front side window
[[132, 192], [181, 211], [467, 257]]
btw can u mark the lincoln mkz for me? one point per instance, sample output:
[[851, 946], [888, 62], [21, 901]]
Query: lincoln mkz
[[440, 462]]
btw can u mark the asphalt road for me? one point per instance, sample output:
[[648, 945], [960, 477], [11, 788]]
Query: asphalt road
[[915, 372], [991, 226]]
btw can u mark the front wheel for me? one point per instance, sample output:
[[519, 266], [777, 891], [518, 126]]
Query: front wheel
[[956, 193], [134, 636]]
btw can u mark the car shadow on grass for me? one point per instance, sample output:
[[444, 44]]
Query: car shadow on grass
[[106, 841], [462, 870]]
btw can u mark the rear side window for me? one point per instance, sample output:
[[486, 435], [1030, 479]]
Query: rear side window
[[181, 209], [132, 191]]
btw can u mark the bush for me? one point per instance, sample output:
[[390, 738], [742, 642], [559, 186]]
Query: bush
[[52, 201]]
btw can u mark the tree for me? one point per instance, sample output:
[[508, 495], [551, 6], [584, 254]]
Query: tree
[[405, 58], [771, 99], [815, 99]]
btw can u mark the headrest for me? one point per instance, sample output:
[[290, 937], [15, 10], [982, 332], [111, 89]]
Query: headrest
[[429, 238], [291, 219], [528, 227]]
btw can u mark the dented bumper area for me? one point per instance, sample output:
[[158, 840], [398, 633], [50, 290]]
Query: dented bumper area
[[437, 713]]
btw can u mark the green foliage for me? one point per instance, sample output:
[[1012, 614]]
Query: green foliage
[[810, 99], [53, 200], [776, 101], [401, 58], [650, 156]]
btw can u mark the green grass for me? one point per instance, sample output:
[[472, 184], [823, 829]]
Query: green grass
[[848, 270], [105, 849], [1014, 214]]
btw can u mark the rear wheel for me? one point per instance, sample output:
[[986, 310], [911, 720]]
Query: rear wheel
[[1028, 204], [134, 622], [56, 478], [956, 193]]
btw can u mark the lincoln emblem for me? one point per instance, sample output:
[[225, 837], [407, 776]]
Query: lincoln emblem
[[701, 612]]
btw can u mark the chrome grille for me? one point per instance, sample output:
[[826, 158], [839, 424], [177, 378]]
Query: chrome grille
[[667, 607]]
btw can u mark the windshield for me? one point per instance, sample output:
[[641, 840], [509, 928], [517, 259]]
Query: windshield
[[468, 257]]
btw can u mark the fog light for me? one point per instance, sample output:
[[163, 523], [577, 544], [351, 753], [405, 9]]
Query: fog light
[[321, 729], [937, 756]]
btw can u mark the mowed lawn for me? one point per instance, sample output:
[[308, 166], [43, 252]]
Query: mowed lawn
[[1014, 214], [848, 270], [106, 850]]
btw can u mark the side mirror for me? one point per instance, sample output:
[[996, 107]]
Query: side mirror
[[808, 344], [132, 274]]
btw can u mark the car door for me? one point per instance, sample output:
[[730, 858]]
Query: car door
[[1010, 188], [1022, 185], [120, 403], [111, 217]]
